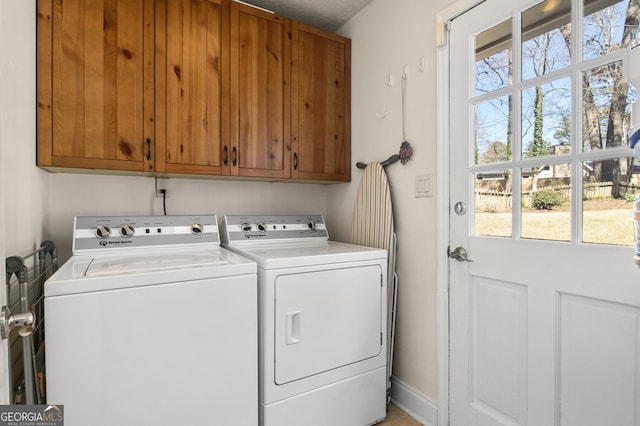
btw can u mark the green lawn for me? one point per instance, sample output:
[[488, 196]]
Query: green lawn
[[613, 226]]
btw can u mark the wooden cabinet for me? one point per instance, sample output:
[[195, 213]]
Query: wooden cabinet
[[320, 105], [191, 85], [135, 85], [204, 87], [95, 109], [260, 90]]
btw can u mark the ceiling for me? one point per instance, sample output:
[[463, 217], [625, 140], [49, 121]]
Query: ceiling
[[328, 15]]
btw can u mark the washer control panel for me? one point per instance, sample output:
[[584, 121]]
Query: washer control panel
[[121, 232], [241, 229]]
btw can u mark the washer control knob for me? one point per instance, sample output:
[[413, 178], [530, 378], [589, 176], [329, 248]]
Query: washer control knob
[[103, 232], [311, 225], [127, 231], [246, 227], [261, 227], [197, 229]]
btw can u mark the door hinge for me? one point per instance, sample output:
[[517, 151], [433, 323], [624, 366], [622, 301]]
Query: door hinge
[[442, 32]]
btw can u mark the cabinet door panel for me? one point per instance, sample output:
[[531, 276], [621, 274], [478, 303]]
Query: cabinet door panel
[[321, 104], [190, 54], [92, 60], [260, 71]]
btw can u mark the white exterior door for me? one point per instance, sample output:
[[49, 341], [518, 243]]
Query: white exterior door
[[545, 322]]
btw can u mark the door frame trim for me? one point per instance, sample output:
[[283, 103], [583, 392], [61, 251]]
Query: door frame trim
[[443, 200]]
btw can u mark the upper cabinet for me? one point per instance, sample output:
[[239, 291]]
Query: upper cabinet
[[260, 90], [192, 77], [201, 87], [95, 109], [321, 105]]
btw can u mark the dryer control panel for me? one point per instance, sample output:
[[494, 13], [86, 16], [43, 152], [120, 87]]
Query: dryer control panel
[[100, 233], [242, 229]]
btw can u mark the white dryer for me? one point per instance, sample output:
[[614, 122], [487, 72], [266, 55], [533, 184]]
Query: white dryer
[[322, 318], [150, 322]]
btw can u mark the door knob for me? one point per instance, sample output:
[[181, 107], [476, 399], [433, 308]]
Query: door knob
[[459, 254], [460, 208]]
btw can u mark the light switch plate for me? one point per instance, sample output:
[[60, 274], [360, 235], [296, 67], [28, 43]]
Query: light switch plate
[[424, 186]]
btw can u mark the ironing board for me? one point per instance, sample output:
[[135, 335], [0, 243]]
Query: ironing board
[[372, 226]]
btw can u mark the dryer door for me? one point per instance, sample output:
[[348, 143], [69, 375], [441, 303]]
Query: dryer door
[[325, 320]]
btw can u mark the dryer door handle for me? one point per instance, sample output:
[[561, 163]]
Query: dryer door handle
[[292, 327]]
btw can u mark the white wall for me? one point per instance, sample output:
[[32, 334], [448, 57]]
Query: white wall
[[77, 194], [23, 200], [386, 36], [24, 187]]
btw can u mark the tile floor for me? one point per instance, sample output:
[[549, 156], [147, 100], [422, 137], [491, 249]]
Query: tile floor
[[397, 417]]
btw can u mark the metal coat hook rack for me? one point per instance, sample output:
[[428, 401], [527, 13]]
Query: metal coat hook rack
[[385, 163], [406, 152]]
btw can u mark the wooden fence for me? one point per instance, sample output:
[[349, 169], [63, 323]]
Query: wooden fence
[[492, 201]]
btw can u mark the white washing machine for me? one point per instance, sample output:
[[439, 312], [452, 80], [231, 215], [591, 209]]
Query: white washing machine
[[150, 322], [322, 316]]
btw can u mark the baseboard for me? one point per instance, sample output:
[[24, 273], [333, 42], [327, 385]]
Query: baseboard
[[412, 402]]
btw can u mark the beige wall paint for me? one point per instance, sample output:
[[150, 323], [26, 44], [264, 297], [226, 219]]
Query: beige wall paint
[[386, 37], [76, 194], [23, 188]]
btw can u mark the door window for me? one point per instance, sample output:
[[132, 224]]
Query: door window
[[552, 119]]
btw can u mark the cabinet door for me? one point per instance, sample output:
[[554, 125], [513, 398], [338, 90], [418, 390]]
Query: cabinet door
[[321, 105], [260, 90], [191, 58], [94, 109]]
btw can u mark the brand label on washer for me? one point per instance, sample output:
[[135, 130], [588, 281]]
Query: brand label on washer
[[31, 415]]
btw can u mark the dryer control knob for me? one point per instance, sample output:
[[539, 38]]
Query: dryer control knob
[[196, 229], [261, 227], [246, 227], [103, 232], [127, 231], [311, 225]]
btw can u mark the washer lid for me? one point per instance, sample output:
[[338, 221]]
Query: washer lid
[[149, 262], [83, 274]]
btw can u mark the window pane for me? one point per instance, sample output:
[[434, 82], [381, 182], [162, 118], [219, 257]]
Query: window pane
[[493, 131], [546, 38], [546, 202], [493, 203], [607, 104], [607, 200], [493, 58], [546, 119], [604, 26]]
